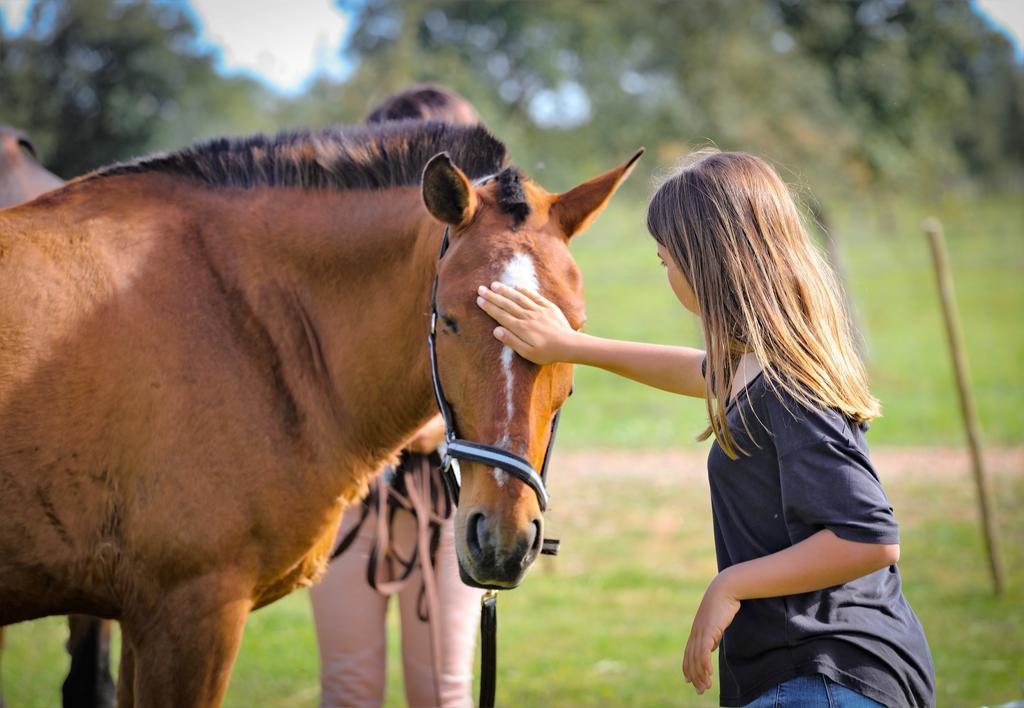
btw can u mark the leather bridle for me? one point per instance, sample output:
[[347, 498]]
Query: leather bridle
[[457, 448]]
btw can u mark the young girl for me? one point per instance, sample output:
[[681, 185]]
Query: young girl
[[807, 608]]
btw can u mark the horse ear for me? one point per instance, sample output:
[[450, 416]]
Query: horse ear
[[576, 209], [447, 192]]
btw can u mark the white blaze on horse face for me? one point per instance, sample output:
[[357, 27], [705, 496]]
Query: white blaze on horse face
[[518, 271]]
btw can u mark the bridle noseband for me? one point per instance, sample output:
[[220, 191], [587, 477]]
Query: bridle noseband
[[458, 449]]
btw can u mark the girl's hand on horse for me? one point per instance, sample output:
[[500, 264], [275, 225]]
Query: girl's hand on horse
[[530, 324], [716, 612]]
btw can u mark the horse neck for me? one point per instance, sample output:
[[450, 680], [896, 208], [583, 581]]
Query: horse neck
[[342, 281]]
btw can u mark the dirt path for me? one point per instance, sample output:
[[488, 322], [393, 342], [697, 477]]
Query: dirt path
[[890, 462]]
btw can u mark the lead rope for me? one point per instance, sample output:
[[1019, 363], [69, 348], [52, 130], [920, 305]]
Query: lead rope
[[488, 647], [489, 636], [419, 497], [419, 501]]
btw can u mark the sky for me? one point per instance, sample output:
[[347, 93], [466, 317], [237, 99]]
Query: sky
[[1007, 15], [285, 43], [283, 49], [282, 43]]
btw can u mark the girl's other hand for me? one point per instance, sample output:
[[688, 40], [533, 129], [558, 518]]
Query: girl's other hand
[[716, 612], [530, 324], [425, 440]]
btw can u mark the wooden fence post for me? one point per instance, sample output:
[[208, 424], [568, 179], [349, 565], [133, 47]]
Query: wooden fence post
[[944, 277]]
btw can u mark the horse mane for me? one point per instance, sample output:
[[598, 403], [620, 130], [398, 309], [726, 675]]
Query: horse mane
[[377, 156]]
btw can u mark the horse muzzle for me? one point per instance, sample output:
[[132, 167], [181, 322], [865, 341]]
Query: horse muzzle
[[494, 553]]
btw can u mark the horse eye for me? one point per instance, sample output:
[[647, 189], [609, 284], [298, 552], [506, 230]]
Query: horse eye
[[450, 324]]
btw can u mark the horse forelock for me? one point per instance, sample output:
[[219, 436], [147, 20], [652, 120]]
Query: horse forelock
[[376, 156], [511, 195]]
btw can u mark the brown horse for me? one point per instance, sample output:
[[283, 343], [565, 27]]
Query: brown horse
[[205, 355], [89, 682]]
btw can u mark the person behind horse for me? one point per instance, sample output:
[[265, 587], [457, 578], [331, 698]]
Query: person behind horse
[[400, 541], [21, 176]]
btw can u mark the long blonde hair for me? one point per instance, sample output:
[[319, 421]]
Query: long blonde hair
[[729, 222]]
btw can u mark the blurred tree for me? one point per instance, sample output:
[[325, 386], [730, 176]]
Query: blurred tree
[[101, 80], [862, 92], [929, 85]]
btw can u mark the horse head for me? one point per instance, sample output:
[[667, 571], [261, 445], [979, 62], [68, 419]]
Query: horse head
[[504, 228]]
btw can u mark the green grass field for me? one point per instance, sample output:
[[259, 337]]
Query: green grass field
[[605, 623]]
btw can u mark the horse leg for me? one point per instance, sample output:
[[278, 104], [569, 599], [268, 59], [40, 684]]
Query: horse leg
[[185, 651], [89, 683], [126, 675]]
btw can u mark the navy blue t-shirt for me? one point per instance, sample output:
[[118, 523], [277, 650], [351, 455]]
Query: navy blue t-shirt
[[807, 470]]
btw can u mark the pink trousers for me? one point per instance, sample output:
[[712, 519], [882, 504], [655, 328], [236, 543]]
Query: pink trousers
[[351, 628]]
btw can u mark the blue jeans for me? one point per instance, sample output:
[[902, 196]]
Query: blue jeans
[[814, 691]]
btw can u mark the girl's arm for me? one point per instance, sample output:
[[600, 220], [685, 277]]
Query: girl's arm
[[537, 330], [818, 562]]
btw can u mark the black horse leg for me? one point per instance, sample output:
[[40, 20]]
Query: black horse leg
[[89, 683]]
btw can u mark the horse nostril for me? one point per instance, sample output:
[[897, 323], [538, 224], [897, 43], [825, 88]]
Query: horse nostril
[[476, 535], [535, 537]]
